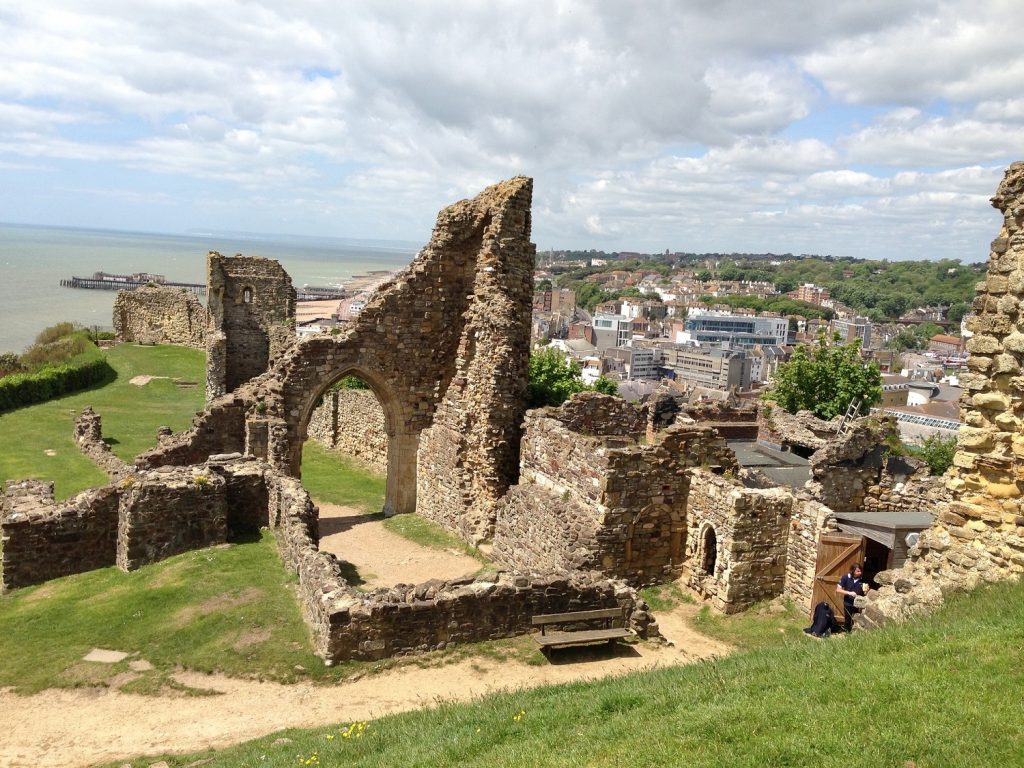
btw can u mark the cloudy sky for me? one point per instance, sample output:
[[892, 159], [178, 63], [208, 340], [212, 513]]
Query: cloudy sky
[[871, 128]]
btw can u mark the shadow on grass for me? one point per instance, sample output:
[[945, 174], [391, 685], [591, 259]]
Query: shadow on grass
[[244, 536]]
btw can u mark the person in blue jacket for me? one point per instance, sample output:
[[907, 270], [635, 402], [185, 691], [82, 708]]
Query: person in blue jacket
[[851, 586]]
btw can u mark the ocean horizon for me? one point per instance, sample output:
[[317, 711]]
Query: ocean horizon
[[34, 259]]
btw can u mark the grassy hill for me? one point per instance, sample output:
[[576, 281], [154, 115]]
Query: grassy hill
[[944, 691], [36, 441]]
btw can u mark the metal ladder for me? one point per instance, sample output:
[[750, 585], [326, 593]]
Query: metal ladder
[[852, 412]]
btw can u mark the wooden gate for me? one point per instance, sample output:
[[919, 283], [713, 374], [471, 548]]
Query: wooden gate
[[836, 554]]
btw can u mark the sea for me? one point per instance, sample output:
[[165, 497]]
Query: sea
[[33, 261]]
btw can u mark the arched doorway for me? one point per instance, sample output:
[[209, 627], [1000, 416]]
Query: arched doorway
[[355, 409]]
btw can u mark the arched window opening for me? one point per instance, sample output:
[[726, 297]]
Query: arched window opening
[[247, 295], [710, 547]]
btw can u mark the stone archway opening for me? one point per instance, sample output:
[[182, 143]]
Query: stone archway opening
[[709, 551], [348, 455]]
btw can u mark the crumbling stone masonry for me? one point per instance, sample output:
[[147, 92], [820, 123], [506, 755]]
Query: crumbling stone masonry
[[736, 542], [352, 421], [251, 319], [594, 494], [406, 619], [89, 439], [160, 315], [446, 343], [979, 535]]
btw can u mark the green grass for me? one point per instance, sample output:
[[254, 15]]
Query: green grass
[[665, 597], [228, 609], [130, 414], [764, 625], [428, 534], [944, 691], [334, 478]]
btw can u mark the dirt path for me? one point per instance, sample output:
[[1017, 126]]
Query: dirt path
[[383, 558], [81, 727]]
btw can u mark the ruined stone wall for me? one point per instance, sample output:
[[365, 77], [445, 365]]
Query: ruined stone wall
[[89, 439], [749, 531], [469, 456], [594, 494], [45, 540], [906, 486], [160, 315], [979, 535], [169, 511], [352, 421], [220, 429], [808, 520], [251, 319]]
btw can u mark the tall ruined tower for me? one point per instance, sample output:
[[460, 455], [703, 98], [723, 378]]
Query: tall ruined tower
[[251, 319]]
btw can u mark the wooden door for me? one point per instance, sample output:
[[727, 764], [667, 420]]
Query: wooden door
[[836, 553]]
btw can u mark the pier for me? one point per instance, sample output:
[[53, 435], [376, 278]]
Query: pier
[[102, 281]]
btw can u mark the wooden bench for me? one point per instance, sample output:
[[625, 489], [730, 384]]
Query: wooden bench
[[608, 634]]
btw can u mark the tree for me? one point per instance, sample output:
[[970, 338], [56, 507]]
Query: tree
[[826, 379], [553, 379]]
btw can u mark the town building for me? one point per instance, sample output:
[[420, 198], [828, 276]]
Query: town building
[[853, 328], [811, 293], [946, 346], [712, 368], [731, 330], [612, 331]]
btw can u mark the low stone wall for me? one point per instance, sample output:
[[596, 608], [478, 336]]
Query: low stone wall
[[160, 315], [906, 486], [736, 541], [408, 619], [220, 429], [352, 421], [169, 511], [808, 520], [89, 439], [44, 540]]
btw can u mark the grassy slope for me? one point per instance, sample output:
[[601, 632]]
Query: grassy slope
[[229, 609], [130, 417], [942, 692]]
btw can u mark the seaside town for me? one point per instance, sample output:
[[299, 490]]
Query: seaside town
[[511, 385]]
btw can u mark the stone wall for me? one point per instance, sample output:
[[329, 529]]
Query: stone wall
[[160, 315], [408, 619], [848, 465], [220, 429], [978, 535], [352, 421], [251, 319], [469, 456], [89, 439], [906, 486], [594, 494], [736, 541], [45, 540], [808, 520]]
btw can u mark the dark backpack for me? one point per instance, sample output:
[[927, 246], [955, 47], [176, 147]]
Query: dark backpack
[[824, 618]]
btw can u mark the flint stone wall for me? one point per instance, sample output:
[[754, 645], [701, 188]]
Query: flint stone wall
[[89, 439], [407, 619], [160, 315], [352, 421], [45, 540], [751, 536]]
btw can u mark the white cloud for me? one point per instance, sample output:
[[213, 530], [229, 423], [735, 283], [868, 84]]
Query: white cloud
[[644, 126]]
